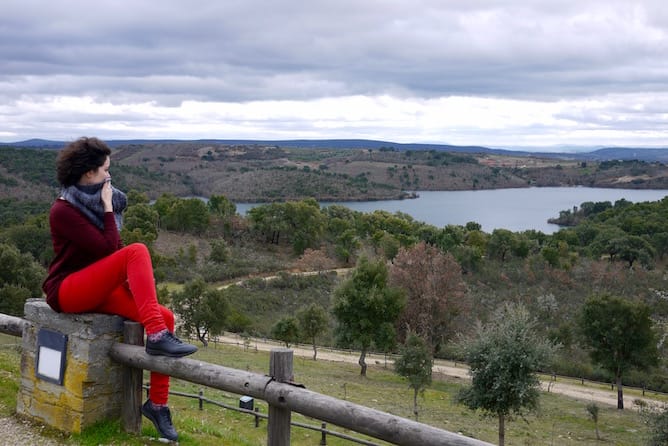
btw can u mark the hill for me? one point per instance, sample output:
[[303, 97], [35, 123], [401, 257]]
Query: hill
[[338, 171], [603, 154], [618, 153], [266, 172]]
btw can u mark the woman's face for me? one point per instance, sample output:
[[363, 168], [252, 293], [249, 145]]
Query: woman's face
[[98, 175]]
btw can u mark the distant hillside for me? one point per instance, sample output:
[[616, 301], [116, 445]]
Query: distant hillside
[[624, 153], [34, 144], [605, 154], [272, 172], [268, 172], [295, 143]]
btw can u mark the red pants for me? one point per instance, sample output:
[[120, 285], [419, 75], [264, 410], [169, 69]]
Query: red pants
[[122, 284]]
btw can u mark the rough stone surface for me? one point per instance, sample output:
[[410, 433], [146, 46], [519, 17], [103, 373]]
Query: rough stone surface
[[92, 386]]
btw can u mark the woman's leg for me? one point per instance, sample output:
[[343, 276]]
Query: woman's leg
[[158, 391], [122, 304], [95, 288], [92, 296], [122, 284]]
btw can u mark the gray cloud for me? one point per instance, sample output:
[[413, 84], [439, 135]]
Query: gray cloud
[[421, 48], [169, 51]]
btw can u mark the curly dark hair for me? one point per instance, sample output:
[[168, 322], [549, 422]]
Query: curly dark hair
[[79, 157]]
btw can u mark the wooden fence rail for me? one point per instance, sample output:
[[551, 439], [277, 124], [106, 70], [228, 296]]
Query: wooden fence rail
[[290, 397], [11, 325], [278, 391]]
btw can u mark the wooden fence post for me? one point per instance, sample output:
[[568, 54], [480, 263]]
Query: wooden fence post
[[278, 427], [133, 334], [323, 438]]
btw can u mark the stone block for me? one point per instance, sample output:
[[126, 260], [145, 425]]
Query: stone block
[[92, 385]]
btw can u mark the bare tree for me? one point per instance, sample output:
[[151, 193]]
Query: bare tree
[[435, 292]]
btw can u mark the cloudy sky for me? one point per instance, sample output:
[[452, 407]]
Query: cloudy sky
[[502, 73]]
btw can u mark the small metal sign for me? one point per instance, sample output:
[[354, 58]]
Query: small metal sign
[[51, 354]]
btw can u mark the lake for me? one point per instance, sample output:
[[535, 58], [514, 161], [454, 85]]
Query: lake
[[513, 209]]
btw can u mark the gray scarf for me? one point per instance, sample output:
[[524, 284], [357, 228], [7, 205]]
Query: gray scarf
[[87, 198]]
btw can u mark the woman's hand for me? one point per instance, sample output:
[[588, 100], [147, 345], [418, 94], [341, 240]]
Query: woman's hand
[[106, 195]]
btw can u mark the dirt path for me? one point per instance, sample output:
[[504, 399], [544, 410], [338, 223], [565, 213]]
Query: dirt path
[[238, 282], [588, 392]]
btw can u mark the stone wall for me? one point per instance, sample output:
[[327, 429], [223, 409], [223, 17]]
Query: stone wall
[[91, 390]]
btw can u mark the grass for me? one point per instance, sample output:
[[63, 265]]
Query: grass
[[9, 373], [561, 420]]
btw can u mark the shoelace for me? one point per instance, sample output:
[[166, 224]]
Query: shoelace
[[173, 339]]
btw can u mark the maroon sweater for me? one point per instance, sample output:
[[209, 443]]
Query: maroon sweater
[[77, 243]]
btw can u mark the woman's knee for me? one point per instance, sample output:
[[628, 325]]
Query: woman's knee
[[138, 249], [139, 254]]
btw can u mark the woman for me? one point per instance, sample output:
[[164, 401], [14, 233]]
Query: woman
[[93, 273]]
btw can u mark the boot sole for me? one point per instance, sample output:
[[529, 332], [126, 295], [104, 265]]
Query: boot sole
[[157, 352]]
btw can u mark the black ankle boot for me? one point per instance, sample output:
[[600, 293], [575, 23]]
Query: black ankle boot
[[161, 419], [169, 345]]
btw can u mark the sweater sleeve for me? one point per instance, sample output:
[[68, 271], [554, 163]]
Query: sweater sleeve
[[73, 226]]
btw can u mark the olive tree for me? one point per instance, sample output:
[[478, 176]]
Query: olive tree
[[504, 356]]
